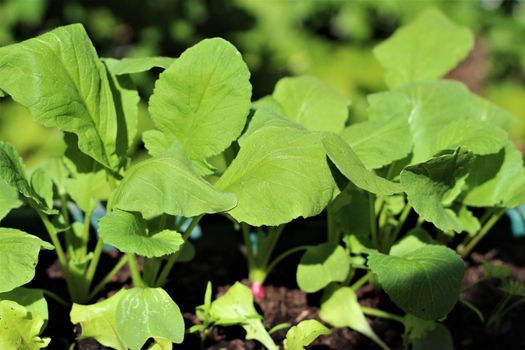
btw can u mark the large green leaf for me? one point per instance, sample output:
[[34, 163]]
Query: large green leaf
[[304, 334], [32, 299], [279, 174], [168, 184], [20, 328], [130, 65], [497, 180], [424, 282], [18, 257], [428, 185], [371, 141], [130, 234], [202, 99], [311, 103], [351, 167], [425, 49], [340, 308], [321, 265], [129, 318], [60, 78], [8, 198], [13, 173], [145, 313], [442, 115]]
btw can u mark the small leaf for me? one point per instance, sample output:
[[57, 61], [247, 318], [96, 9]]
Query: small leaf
[[32, 299], [43, 186], [234, 307], [98, 321], [20, 328], [424, 282], [12, 172], [437, 339], [203, 98], [145, 313], [87, 190], [8, 199], [18, 257], [130, 65], [311, 103], [129, 318], [129, 233], [274, 161], [414, 239], [425, 49], [497, 180], [340, 308], [351, 166], [427, 185], [304, 334], [321, 265], [168, 184], [255, 330]]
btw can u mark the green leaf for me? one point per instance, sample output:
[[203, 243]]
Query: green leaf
[[351, 166], [424, 282], [437, 339], [235, 307], [470, 223], [304, 334], [12, 172], [417, 328], [18, 257], [130, 234], [265, 117], [168, 184], [130, 317], [322, 264], [428, 184], [311, 103], [87, 190], [425, 49], [43, 186], [32, 299], [202, 99], [60, 78], [273, 161], [56, 169], [8, 199], [414, 239], [145, 313], [370, 141], [497, 180], [130, 65], [441, 115], [340, 308], [98, 321], [20, 328]]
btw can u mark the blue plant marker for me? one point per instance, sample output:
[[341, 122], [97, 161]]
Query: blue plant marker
[[197, 231], [254, 239], [517, 220]]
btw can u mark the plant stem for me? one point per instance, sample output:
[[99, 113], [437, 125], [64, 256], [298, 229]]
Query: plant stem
[[56, 298], [134, 270], [173, 258], [380, 313], [273, 236], [360, 282], [283, 256], [85, 234], [464, 250], [90, 273], [373, 224], [123, 260], [54, 239], [402, 218]]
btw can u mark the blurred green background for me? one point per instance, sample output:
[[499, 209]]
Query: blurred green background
[[329, 39]]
